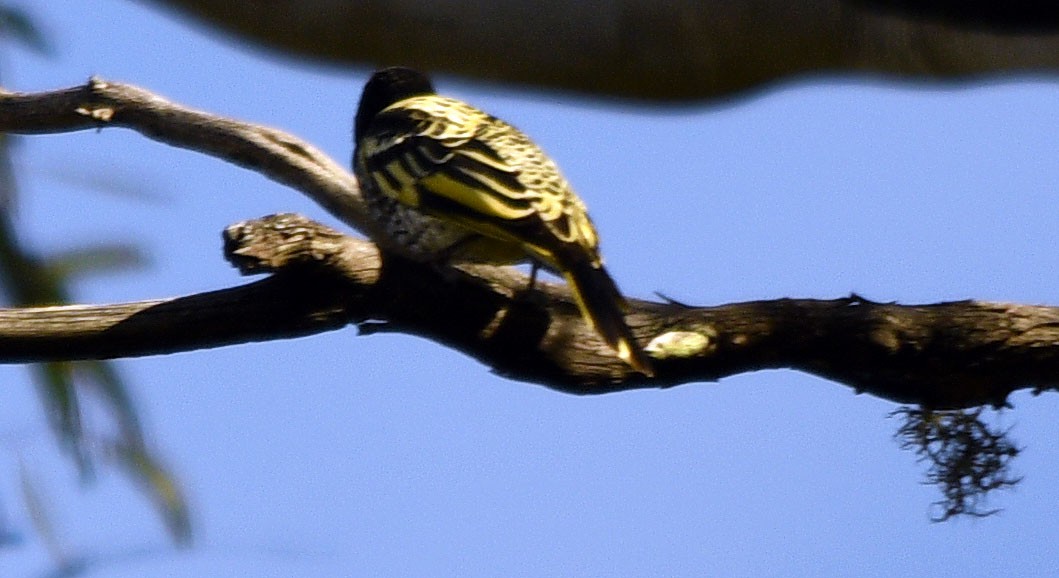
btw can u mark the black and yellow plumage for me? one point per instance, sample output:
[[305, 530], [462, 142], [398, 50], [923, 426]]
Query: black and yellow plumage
[[446, 181]]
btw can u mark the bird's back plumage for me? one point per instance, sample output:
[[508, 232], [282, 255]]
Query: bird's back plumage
[[447, 181]]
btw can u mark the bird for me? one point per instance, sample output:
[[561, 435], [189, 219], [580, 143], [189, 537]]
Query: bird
[[447, 182]]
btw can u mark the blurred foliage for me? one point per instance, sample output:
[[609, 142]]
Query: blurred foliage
[[160, 485], [40, 515], [15, 24], [968, 459], [65, 387]]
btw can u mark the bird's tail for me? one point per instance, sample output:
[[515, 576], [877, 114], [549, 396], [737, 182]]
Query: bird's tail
[[602, 304]]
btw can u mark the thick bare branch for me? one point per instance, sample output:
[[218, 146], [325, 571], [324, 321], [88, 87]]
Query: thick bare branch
[[941, 356], [680, 50], [276, 308]]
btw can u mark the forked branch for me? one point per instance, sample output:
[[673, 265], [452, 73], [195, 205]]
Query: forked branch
[[945, 355]]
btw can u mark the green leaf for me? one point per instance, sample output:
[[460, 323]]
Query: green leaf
[[107, 382], [37, 508], [63, 408], [99, 259], [160, 486]]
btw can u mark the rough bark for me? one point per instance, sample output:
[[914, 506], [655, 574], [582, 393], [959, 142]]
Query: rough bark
[[943, 355]]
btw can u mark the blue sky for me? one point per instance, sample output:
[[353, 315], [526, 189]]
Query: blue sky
[[338, 455]]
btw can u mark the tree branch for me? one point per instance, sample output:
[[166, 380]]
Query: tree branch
[[275, 154], [946, 355], [676, 51], [940, 356]]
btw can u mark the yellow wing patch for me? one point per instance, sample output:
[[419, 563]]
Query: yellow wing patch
[[484, 200]]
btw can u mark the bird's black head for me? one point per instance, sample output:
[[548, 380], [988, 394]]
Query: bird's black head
[[386, 87]]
